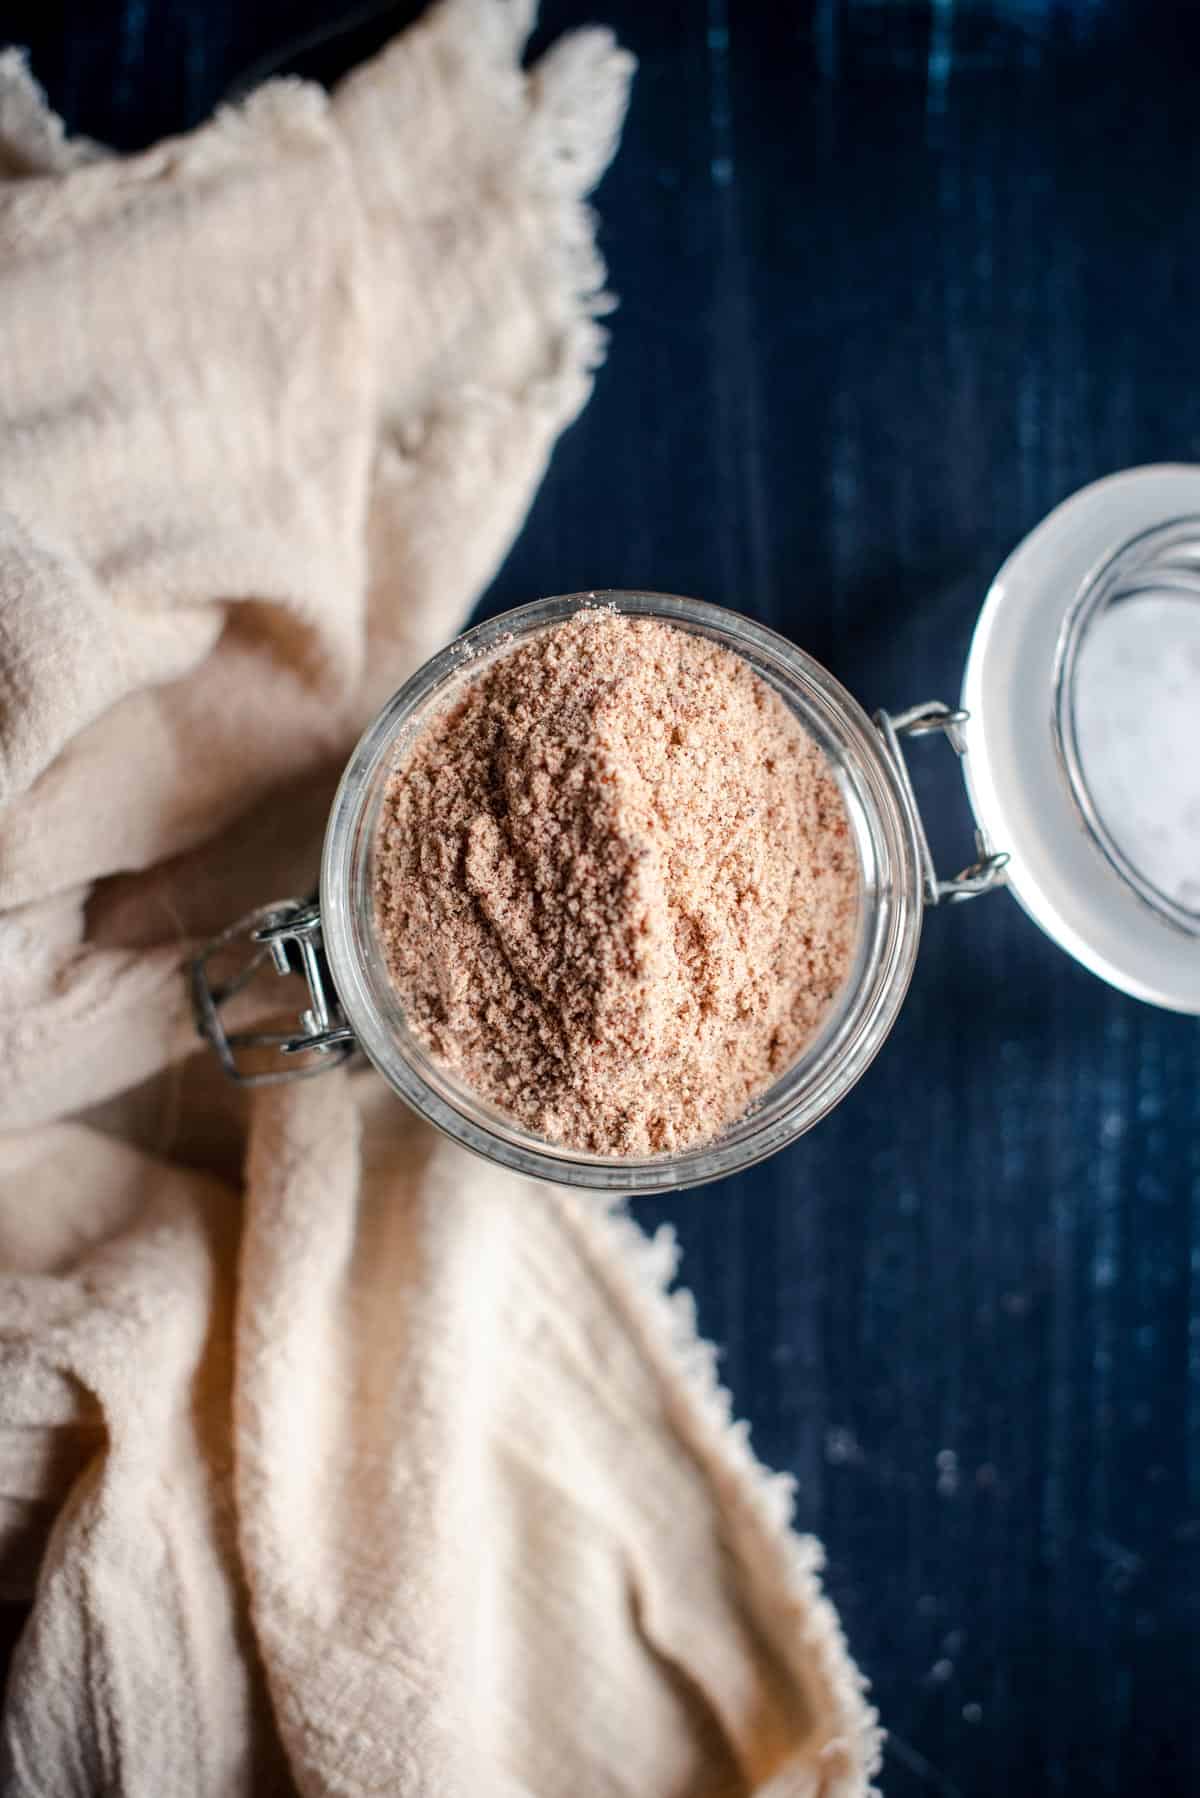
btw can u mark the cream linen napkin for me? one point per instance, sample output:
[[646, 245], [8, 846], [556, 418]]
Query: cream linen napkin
[[337, 1461]]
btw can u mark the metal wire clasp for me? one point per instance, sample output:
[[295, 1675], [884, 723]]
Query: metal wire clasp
[[288, 935], [922, 721]]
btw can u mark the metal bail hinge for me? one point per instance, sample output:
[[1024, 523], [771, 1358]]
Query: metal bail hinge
[[922, 721], [288, 936]]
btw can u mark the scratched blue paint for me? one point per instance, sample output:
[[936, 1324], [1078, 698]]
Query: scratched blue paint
[[721, 163], [825, 37], [941, 55], [131, 50]]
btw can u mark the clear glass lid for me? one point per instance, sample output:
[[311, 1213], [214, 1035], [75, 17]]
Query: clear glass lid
[[1127, 714], [1083, 741]]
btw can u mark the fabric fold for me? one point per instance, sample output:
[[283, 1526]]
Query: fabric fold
[[335, 1461]]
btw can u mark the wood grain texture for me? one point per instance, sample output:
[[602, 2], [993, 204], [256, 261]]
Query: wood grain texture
[[895, 279]]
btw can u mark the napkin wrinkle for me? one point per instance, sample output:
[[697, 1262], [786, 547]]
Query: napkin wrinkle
[[782, 1569], [33, 139], [335, 1460]]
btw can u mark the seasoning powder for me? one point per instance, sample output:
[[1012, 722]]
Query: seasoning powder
[[616, 885]]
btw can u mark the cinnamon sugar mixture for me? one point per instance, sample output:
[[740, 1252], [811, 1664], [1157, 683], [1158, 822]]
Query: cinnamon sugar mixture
[[616, 885]]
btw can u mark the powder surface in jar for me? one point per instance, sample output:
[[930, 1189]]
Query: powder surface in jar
[[616, 885]]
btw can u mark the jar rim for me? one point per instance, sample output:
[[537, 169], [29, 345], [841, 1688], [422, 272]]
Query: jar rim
[[890, 901]]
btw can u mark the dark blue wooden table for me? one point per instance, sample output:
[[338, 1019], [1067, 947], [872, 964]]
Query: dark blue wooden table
[[895, 279]]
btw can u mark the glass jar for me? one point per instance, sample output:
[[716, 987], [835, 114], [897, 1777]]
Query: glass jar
[[1063, 739], [1018, 732]]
